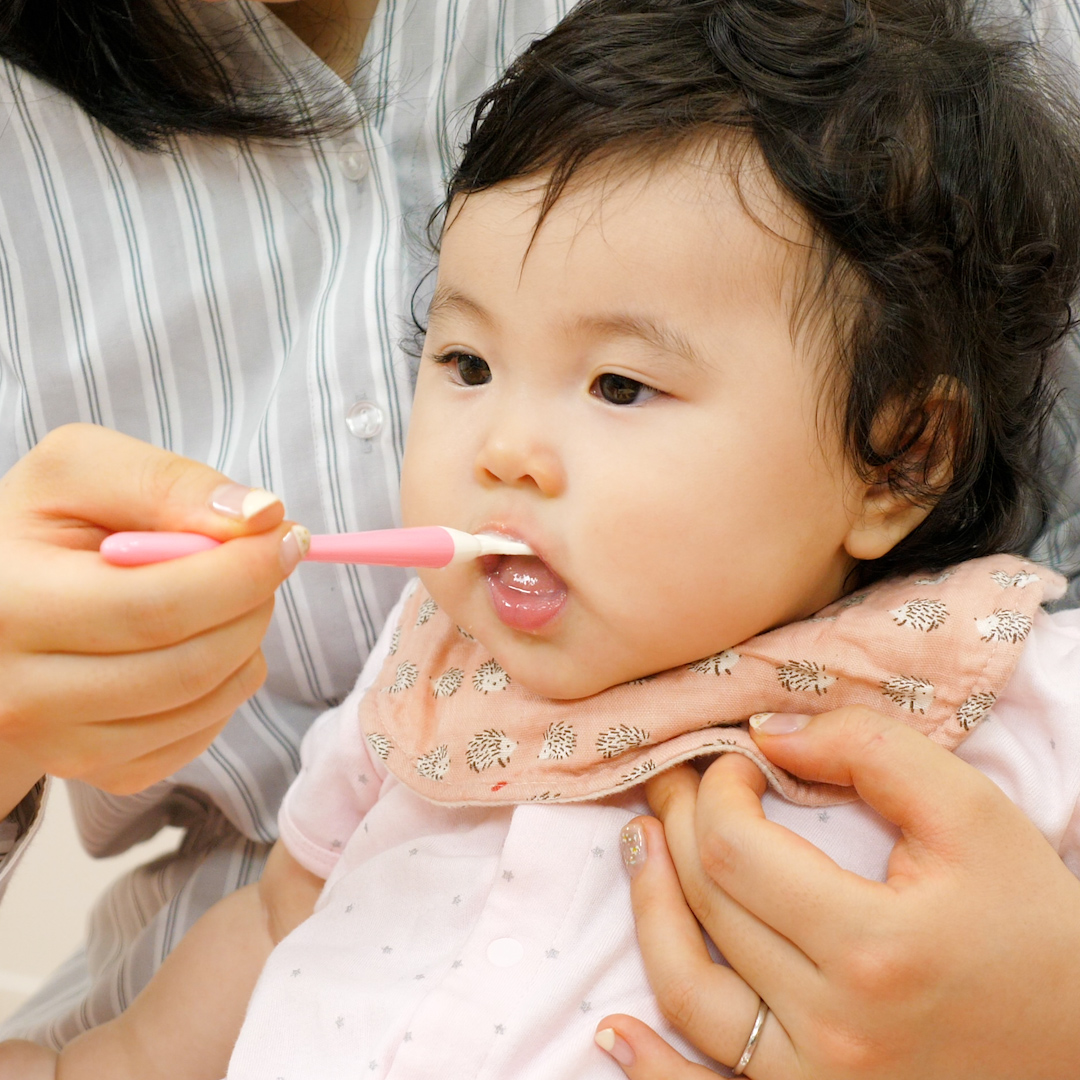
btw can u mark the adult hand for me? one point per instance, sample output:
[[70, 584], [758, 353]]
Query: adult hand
[[963, 965], [118, 676]]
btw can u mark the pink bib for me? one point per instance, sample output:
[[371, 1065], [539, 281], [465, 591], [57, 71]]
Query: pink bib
[[932, 651]]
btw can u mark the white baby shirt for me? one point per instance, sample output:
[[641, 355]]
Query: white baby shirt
[[487, 942]]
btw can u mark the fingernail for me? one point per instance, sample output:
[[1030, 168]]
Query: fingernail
[[778, 723], [616, 1046], [239, 502], [294, 546], [633, 848]]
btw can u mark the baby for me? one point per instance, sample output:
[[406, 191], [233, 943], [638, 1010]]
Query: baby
[[742, 322]]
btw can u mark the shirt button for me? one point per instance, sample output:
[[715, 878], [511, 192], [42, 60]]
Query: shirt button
[[364, 420], [505, 952], [353, 161]]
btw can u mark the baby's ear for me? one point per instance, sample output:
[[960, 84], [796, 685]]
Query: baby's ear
[[886, 517], [899, 495]]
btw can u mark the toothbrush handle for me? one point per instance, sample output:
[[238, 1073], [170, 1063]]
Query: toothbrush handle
[[141, 548], [428, 546]]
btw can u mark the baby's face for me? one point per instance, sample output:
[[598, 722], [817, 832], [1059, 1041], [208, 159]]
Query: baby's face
[[623, 392]]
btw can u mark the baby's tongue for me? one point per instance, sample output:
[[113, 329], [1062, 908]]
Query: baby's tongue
[[525, 591], [528, 574]]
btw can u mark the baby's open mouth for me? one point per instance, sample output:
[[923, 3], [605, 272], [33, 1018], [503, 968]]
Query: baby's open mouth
[[526, 593]]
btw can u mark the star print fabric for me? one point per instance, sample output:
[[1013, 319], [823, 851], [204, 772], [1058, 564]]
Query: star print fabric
[[408, 946], [478, 942], [932, 650]]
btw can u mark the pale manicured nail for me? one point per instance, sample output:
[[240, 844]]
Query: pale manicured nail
[[778, 723], [616, 1046], [241, 503], [633, 848], [294, 546]]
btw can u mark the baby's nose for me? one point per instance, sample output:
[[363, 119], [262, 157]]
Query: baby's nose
[[520, 459]]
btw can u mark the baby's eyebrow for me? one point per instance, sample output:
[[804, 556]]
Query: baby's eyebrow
[[661, 336], [449, 301], [667, 339]]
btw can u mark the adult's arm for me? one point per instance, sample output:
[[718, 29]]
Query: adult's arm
[[118, 676], [963, 965]]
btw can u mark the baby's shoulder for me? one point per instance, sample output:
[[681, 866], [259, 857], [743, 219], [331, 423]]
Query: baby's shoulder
[[1029, 743], [1049, 667]]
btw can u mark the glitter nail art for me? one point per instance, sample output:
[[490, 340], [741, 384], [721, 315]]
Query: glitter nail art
[[633, 848]]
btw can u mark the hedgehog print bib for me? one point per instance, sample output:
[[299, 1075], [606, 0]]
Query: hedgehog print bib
[[933, 651]]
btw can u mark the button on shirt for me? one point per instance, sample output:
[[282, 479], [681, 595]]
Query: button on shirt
[[365, 420], [353, 162]]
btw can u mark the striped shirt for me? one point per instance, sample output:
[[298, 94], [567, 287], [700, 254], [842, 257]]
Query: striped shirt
[[246, 305]]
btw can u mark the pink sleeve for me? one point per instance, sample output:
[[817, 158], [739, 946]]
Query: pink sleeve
[[339, 780], [1029, 744], [1069, 846]]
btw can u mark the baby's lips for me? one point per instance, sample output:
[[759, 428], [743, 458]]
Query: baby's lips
[[525, 592]]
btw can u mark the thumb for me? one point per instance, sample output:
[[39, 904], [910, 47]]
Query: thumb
[[642, 1054], [82, 474], [909, 780]]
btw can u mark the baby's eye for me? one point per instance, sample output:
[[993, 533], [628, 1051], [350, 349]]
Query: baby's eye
[[621, 390], [471, 370]]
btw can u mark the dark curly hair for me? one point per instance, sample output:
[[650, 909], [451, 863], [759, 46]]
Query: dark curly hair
[[940, 170]]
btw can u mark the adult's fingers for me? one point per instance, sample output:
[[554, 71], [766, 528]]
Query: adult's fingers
[[81, 604], [123, 756], [777, 876], [137, 775], [96, 477], [84, 645], [642, 1054], [934, 797], [708, 1002], [751, 945], [130, 684]]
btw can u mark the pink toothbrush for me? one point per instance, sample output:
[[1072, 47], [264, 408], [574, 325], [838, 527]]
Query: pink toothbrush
[[430, 546]]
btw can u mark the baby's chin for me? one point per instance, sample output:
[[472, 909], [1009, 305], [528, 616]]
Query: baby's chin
[[542, 664], [545, 669], [563, 678], [568, 688]]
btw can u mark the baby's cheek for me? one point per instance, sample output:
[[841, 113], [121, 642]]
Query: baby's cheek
[[426, 484]]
